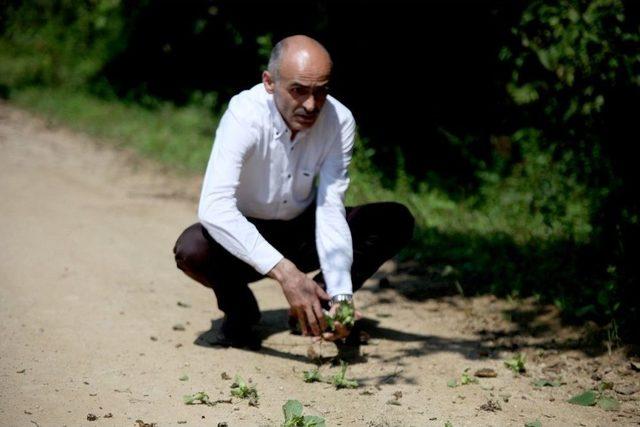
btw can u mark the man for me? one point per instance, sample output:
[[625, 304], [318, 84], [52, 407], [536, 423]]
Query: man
[[261, 214]]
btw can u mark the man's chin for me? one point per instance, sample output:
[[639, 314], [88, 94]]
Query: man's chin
[[304, 124]]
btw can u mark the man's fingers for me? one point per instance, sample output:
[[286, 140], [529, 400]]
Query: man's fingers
[[313, 322], [317, 310], [322, 294], [340, 332], [302, 322]]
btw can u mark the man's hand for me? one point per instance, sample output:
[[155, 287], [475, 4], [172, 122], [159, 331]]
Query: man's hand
[[341, 331], [303, 295]]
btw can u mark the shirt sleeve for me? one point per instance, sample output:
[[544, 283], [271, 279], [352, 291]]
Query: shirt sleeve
[[333, 236], [218, 211]]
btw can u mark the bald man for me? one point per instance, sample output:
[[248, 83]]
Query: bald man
[[272, 202]]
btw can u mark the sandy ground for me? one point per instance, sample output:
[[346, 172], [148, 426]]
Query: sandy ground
[[89, 299]]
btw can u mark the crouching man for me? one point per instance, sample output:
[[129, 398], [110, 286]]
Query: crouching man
[[263, 213]]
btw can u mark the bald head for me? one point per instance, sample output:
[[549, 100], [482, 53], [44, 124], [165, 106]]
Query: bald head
[[299, 54], [298, 78]]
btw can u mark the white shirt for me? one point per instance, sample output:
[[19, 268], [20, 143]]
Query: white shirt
[[255, 170]]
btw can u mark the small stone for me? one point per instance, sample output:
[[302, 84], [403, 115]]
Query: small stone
[[626, 389], [486, 373], [152, 338], [178, 327], [92, 417]]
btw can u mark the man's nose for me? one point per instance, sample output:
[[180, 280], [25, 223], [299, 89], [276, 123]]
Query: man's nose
[[310, 104]]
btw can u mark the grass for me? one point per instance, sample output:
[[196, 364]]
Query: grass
[[178, 137]]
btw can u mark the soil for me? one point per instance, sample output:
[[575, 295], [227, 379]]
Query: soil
[[97, 321]]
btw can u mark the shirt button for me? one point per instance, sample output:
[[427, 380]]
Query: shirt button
[[284, 201], [289, 176]]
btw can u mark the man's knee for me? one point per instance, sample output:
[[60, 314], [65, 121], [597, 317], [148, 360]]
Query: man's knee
[[191, 249], [402, 219]]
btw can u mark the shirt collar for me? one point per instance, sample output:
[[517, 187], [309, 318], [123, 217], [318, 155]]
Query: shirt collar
[[276, 118], [280, 125]]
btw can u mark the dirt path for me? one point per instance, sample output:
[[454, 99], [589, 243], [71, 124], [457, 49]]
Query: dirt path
[[89, 296]]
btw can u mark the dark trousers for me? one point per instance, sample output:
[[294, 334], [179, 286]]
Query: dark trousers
[[378, 232]]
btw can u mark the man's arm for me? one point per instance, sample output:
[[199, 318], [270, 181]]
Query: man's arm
[[218, 211], [333, 236]]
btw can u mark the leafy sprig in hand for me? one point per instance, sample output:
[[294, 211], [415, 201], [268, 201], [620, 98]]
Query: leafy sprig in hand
[[340, 320]]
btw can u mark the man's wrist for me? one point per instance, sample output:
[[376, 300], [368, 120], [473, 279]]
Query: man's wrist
[[336, 299]]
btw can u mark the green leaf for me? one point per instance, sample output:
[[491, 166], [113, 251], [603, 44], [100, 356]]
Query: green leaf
[[608, 404], [588, 398], [535, 423], [516, 364], [313, 421], [546, 383], [291, 409], [340, 380], [199, 397], [452, 383], [312, 376], [184, 378]]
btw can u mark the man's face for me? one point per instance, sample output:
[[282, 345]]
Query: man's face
[[299, 92]]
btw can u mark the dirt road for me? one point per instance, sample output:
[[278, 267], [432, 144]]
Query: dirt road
[[89, 299]]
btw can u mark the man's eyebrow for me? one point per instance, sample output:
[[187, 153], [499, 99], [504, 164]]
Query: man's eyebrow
[[295, 83]]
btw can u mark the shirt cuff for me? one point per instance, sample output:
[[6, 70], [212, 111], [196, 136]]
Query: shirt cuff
[[265, 257], [338, 282]]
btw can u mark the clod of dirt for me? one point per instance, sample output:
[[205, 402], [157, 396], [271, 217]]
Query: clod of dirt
[[183, 304], [92, 417], [141, 423], [635, 365], [491, 406], [486, 373], [178, 327], [109, 415], [225, 376], [626, 389], [555, 368], [152, 338], [21, 371]]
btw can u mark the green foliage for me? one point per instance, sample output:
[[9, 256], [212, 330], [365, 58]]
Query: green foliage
[[340, 379], [242, 390], [516, 363], [312, 376], [465, 379], [573, 53], [53, 43], [593, 397], [345, 314], [293, 416], [197, 398]]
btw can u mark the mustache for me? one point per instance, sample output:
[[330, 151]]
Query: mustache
[[304, 113]]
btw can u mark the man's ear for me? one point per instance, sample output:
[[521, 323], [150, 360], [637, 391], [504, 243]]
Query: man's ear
[[268, 81]]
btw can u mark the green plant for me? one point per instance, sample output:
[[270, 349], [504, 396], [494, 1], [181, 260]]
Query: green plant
[[345, 314], [596, 397], [516, 363], [293, 416], [340, 380], [200, 397], [312, 376], [239, 388]]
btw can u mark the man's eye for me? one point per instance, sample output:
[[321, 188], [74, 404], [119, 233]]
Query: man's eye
[[321, 91], [298, 91]]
